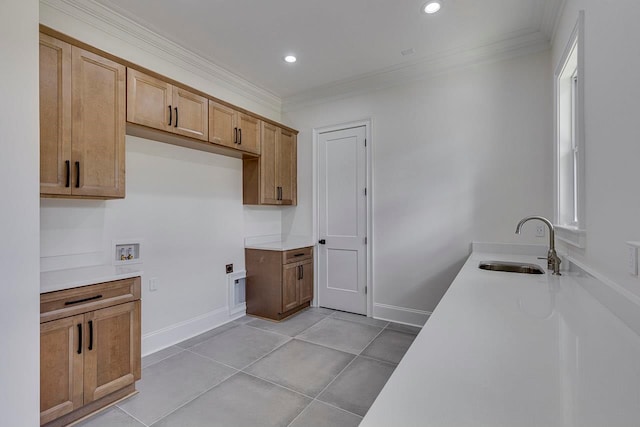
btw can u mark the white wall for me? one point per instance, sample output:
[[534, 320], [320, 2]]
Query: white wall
[[460, 157], [186, 205], [612, 143], [19, 251]]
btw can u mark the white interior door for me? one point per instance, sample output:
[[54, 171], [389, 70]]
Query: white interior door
[[342, 220]]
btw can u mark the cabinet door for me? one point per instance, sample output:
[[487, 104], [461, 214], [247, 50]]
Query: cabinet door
[[222, 125], [290, 287], [248, 133], [61, 366], [55, 116], [286, 154], [98, 126], [192, 115], [112, 357], [306, 282], [149, 101], [268, 174]]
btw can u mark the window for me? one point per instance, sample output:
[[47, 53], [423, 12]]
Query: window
[[569, 140]]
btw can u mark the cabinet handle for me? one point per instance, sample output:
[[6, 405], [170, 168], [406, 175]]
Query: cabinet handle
[[78, 301], [301, 272], [298, 272], [170, 116], [79, 338], [77, 174], [68, 168], [240, 136], [235, 135], [90, 335], [302, 254], [176, 108]]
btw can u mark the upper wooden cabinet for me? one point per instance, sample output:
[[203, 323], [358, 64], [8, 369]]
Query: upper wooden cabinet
[[82, 122], [271, 179], [233, 128], [160, 105]]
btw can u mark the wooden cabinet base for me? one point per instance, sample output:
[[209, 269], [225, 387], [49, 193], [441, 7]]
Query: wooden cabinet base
[[279, 284], [283, 316], [93, 407]]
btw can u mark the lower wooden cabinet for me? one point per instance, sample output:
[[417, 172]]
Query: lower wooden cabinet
[[90, 354], [278, 283]]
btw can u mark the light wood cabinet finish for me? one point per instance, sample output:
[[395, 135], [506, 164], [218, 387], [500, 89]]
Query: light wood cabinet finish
[[191, 114], [278, 283], [248, 133], [306, 282], [112, 361], [82, 127], [271, 179], [287, 165], [98, 125], [157, 104], [55, 116], [91, 351], [233, 128], [61, 368], [149, 101]]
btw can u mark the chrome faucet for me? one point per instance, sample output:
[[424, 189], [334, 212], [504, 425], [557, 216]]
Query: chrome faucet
[[553, 261]]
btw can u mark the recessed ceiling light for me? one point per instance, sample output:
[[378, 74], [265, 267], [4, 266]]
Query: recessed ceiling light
[[432, 6], [290, 59]]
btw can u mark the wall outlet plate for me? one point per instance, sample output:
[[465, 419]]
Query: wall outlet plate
[[229, 268], [126, 251], [540, 230], [632, 258]]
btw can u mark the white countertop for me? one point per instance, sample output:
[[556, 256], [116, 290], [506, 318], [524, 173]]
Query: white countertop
[[513, 350], [75, 277], [278, 243]]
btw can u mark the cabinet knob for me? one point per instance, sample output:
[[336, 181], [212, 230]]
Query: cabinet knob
[[322, 242]]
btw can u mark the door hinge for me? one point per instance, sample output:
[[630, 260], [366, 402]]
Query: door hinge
[[365, 142], [365, 240], [365, 290], [365, 191]]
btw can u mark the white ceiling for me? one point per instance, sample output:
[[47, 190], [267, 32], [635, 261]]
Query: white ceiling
[[334, 40]]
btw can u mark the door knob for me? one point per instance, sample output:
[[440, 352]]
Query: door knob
[[322, 242]]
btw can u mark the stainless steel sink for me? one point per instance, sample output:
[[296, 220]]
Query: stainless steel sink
[[511, 267]]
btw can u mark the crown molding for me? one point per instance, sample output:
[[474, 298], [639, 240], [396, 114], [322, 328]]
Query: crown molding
[[122, 28], [519, 44], [550, 19]]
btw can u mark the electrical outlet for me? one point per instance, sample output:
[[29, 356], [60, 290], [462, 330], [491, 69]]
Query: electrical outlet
[[632, 260], [540, 231], [229, 268], [153, 284]]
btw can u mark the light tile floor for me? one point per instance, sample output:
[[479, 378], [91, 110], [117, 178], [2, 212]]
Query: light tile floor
[[318, 368]]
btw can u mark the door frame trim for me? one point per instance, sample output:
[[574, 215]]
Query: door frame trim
[[367, 123]]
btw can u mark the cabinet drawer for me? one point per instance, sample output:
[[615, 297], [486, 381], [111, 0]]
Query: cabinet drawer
[[69, 302], [296, 255]]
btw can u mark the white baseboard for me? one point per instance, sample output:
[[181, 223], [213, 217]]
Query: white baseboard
[[166, 337], [407, 316]]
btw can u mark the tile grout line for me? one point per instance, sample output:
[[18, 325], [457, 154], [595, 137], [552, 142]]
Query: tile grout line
[[191, 400], [130, 415], [165, 358], [212, 360], [304, 330], [242, 370], [344, 369]]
